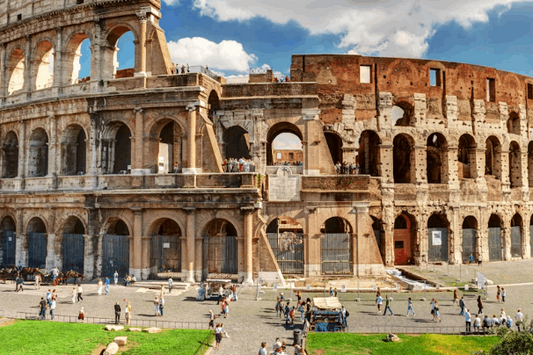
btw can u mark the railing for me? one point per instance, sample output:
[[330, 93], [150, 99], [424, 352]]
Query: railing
[[133, 322], [378, 329]]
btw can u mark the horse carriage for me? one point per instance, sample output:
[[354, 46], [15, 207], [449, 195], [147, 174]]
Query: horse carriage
[[28, 274]]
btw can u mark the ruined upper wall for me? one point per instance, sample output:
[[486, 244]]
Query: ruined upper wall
[[337, 75], [15, 11]]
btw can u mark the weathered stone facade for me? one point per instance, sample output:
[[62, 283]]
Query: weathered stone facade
[[123, 170]]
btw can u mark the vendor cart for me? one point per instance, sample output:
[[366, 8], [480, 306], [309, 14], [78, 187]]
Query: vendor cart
[[210, 289], [326, 315]]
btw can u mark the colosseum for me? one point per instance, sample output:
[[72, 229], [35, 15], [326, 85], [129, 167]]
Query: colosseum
[[128, 169]]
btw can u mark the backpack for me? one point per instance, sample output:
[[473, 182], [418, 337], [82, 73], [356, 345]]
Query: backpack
[[347, 314]]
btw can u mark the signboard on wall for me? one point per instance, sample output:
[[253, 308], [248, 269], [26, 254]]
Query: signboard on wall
[[284, 186], [436, 238]]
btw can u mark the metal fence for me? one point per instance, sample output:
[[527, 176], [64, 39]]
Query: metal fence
[[133, 323], [379, 329]]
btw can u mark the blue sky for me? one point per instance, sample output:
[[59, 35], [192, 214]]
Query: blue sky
[[230, 36]]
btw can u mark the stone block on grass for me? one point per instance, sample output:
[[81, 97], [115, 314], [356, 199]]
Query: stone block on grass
[[112, 349], [152, 330], [121, 341], [111, 327]]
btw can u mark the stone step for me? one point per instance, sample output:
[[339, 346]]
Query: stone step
[[157, 285]]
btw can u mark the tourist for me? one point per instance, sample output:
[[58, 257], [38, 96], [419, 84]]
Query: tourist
[[170, 284], [344, 316], [52, 308], [127, 280], [498, 293], [212, 318], [55, 274], [80, 292], [503, 317], [117, 312], [226, 308], [127, 313], [219, 330], [37, 283], [19, 282], [519, 316], [99, 288], [437, 313], [277, 344], [291, 316], [161, 305], [509, 322], [495, 321], [107, 285], [42, 308], [468, 321], [156, 306], [81, 315], [49, 296], [234, 289], [503, 294], [487, 323], [19, 266], [115, 277], [331, 292], [387, 306], [477, 323], [302, 311], [262, 350], [462, 305], [379, 301], [455, 298], [74, 294], [432, 303], [479, 305], [410, 307]]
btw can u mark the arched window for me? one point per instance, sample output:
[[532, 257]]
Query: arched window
[[73, 244], [437, 154], [513, 123], [466, 157], [73, 151], [77, 59], [285, 144], [237, 143], [15, 71], [44, 66], [38, 153], [165, 247], [403, 159], [402, 115], [515, 165], [493, 164], [368, 154], [285, 236], [335, 146], [119, 55], [10, 156]]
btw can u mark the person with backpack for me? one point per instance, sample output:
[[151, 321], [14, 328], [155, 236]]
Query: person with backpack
[[387, 306], [462, 305], [410, 307], [344, 315]]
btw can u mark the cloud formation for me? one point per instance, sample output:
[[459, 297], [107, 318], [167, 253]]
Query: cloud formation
[[226, 55], [383, 27]]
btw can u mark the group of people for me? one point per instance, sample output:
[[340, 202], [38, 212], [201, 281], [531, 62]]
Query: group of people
[[346, 169], [48, 303], [288, 163], [127, 312], [241, 165]]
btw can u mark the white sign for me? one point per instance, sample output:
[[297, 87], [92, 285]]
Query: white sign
[[166, 245], [398, 287], [291, 284], [283, 186], [466, 287], [436, 237], [343, 288], [308, 287], [275, 286], [9, 239], [480, 281], [375, 287]]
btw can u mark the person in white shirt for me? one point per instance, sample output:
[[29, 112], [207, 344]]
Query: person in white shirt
[[495, 321], [477, 323], [99, 288], [519, 316], [115, 277], [468, 320], [262, 350], [170, 284], [52, 308]]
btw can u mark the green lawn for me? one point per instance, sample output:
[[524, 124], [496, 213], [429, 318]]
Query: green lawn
[[349, 343], [37, 337]]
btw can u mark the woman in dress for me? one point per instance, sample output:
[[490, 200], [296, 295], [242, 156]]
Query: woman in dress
[[127, 313], [156, 306], [99, 288]]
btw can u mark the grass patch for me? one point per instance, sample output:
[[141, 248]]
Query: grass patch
[[349, 343], [38, 337]]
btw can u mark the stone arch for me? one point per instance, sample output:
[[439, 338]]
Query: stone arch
[[72, 57], [8, 229], [403, 159], [530, 164], [38, 153], [377, 227], [15, 69], [437, 159], [470, 230], [403, 114], [74, 150], [236, 140], [513, 123], [515, 165], [466, 157], [116, 152], [493, 151], [286, 239], [220, 248], [334, 142], [70, 243], [206, 218], [10, 155], [112, 36], [517, 226], [368, 156], [43, 65], [404, 239], [277, 129], [437, 225], [336, 246], [213, 103], [495, 224], [166, 142], [37, 241], [165, 246]]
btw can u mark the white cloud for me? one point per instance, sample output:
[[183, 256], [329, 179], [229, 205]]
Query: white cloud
[[226, 55], [383, 27]]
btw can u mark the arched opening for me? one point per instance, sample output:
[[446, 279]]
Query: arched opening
[[515, 165], [116, 249], [237, 143], [404, 239], [336, 247], [516, 236], [38, 153], [119, 55], [531, 236], [493, 164], [77, 58], [437, 159], [292, 141], [530, 164], [495, 238], [15, 71], [73, 245], [166, 150], [219, 248], [8, 242], [73, 151], [438, 238], [469, 239], [377, 227], [213, 104], [335, 147], [37, 243], [10, 156], [165, 248], [402, 115], [403, 159], [43, 70], [368, 154], [287, 150], [466, 157], [285, 236], [513, 123], [116, 152]]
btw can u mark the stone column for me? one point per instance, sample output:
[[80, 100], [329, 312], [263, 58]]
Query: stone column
[[96, 57], [28, 66], [240, 259], [20, 250], [198, 257], [455, 237], [191, 232], [58, 60], [135, 259], [21, 170], [141, 69], [145, 262], [88, 257], [50, 255], [183, 241], [248, 236], [453, 167], [506, 184], [419, 168], [54, 168], [3, 79], [99, 254], [360, 211], [385, 156], [310, 142], [421, 247], [506, 239], [388, 231], [312, 244], [137, 164], [191, 140]]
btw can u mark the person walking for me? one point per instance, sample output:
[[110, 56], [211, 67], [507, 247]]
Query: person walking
[[156, 306], [498, 293], [302, 311], [52, 308], [262, 349], [161, 305], [219, 330], [468, 321], [81, 315], [234, 289], [170, 284], [379, 301], [479, 305], [37, 279], [344, 316], [503, 294], [226, 309], [212, 318], [462, 305], [455, 298], [99, 288], [42, 308], [437, 313], [115, 277], [80, 292], [117, 312], [74, 294], [410, 307], [519, 316], [19, 284], [127, 313], [107, 285], [387, 306]]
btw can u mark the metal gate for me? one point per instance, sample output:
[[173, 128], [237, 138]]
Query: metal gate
[[288, 248], [469, 244], [495, 244], [336, 253], [219, 255], [531, 239], [166, 253], [516, 242], [73, 252], [8, 248], [37, 250], [116, 255], [438, 244]]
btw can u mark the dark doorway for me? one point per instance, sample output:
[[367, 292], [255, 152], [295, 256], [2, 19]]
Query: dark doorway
[[122, 150], [335, 146], [402, 160], [368, 154], [237, 145], [10, 156]]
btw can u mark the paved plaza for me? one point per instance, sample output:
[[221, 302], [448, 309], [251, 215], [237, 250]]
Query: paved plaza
[[251, 321]]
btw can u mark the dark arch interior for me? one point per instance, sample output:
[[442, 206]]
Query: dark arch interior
[[491, 151], [122, 149], [36, 225], [437, 221], [336, 225], [74, 226], [166, 149], [402, 159], [513, 123], [400, 222], [10, 156], [368, 153], [213, 103], [169, 228], [516, 221], [118, 227], [470, 223], [436, 147], [335, 146], [494, 221], [8, 224], [221, 228], [237, 143], [38, 153]]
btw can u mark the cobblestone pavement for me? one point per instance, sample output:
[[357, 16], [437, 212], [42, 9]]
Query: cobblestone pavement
[[250, 321]]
